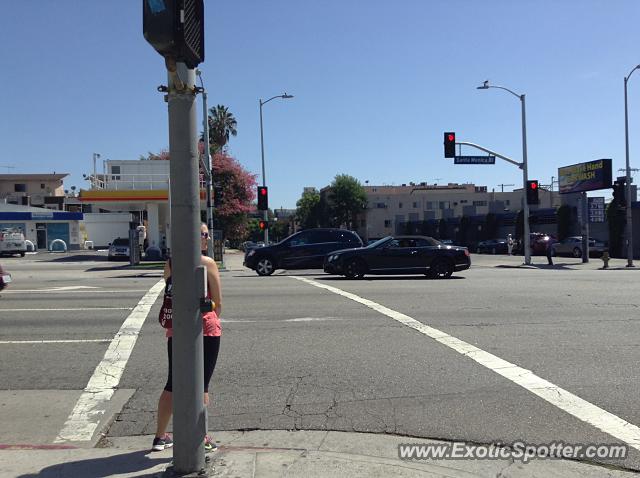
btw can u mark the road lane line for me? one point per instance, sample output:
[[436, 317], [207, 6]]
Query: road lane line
[[78, 341], [69, 309], [92, 404], [57, 291], [563, 399], [267, 321]]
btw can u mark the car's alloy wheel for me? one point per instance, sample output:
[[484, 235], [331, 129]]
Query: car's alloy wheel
[[354, 269], [577, 252], [264, 267], [441, 269]]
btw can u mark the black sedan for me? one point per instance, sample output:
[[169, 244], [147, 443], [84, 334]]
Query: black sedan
[[399, 255]]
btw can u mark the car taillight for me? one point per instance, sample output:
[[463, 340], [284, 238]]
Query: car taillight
[[466, 252]]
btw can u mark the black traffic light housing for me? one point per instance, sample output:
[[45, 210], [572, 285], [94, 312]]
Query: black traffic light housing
[[532, 192], [175, 28], [263, 225], [263, 198], [450, 145], [619, 197], [217, 196]]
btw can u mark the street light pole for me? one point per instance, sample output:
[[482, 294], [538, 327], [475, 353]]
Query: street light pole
[[523, 166], [629, 232], [264, 179], [525, 178], [207, 166]]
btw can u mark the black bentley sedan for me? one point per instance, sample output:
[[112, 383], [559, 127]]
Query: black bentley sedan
[[399, 255]]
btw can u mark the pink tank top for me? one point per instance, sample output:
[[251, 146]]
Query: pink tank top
[[211, 326]]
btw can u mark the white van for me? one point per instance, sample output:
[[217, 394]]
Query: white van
[[12, 242]]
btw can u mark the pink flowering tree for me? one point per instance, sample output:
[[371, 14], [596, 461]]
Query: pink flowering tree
[[238, 190]]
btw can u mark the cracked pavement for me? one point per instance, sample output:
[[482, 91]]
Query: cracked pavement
[[346, 367]]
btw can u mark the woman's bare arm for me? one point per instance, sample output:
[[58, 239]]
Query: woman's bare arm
[[213, 281]]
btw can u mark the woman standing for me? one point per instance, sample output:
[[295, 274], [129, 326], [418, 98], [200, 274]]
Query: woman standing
[[212, 331]]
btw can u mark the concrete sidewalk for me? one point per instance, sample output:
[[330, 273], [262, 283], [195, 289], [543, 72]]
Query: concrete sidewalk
[[279, 453]]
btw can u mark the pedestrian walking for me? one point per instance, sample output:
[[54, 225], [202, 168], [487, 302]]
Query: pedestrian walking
[[510, 244], [550, 242], [212, 331]]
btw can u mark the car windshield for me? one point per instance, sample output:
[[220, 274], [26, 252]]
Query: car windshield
[[379, 242]]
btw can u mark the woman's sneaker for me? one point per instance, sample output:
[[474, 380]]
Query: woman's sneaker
[[209, 444], [160, 443]]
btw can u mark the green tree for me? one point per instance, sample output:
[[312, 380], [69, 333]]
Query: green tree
[[347, 198], [565, 221], [308, 209], [617, 223], [490, 226], [222, 125], [520, 225]]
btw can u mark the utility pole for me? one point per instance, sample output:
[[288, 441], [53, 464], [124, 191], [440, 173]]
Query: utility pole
[[503, 185], [188, 362], [207, 166], [179, 38]]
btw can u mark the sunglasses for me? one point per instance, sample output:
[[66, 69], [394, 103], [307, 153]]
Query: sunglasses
[[204, 234]]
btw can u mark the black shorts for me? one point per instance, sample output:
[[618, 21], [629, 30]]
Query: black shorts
[[211, 346]]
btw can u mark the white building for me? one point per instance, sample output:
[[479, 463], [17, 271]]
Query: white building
[[139, 187]]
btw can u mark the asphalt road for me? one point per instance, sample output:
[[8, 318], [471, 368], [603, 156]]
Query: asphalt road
[[297, 356]]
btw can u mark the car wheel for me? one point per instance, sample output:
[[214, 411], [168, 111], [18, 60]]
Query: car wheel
[[577, 252], [265, 266], [354, 268], [440, 269]]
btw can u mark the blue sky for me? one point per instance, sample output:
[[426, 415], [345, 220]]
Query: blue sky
[[376, 83]]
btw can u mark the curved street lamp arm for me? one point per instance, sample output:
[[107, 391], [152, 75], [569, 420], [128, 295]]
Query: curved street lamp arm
[[506, 89], [272, 98], [631, 72]]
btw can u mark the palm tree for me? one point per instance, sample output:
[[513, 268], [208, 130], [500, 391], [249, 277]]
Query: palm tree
[[222, 124]]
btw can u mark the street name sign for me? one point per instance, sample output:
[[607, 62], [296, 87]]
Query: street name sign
[[474, 160]]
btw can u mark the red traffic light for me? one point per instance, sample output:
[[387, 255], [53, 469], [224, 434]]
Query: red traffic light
[[263, 225], [449, 144], [263, 191], [533, 185]]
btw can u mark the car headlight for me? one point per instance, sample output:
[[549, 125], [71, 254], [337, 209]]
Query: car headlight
[[251, 252]]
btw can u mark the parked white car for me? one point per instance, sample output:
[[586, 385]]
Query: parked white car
[[12, 242]]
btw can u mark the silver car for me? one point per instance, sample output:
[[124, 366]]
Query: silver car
[[572, 246]]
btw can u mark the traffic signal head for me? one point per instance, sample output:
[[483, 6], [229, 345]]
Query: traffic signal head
[[217, 196], [619, 194], [263, 225], [532, 192], [175, 28], [450, 145], [263, 198]]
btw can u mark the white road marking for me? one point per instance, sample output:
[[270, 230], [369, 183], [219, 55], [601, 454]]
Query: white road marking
[[79, 341], [86, 415], [73, 287], [563, 399], [52, 291], [69, 309], [266, 321]]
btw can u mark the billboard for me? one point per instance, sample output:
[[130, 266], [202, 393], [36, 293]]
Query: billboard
[[587, 176]]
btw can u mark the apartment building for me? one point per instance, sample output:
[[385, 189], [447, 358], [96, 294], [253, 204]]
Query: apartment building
[[391, 206]]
